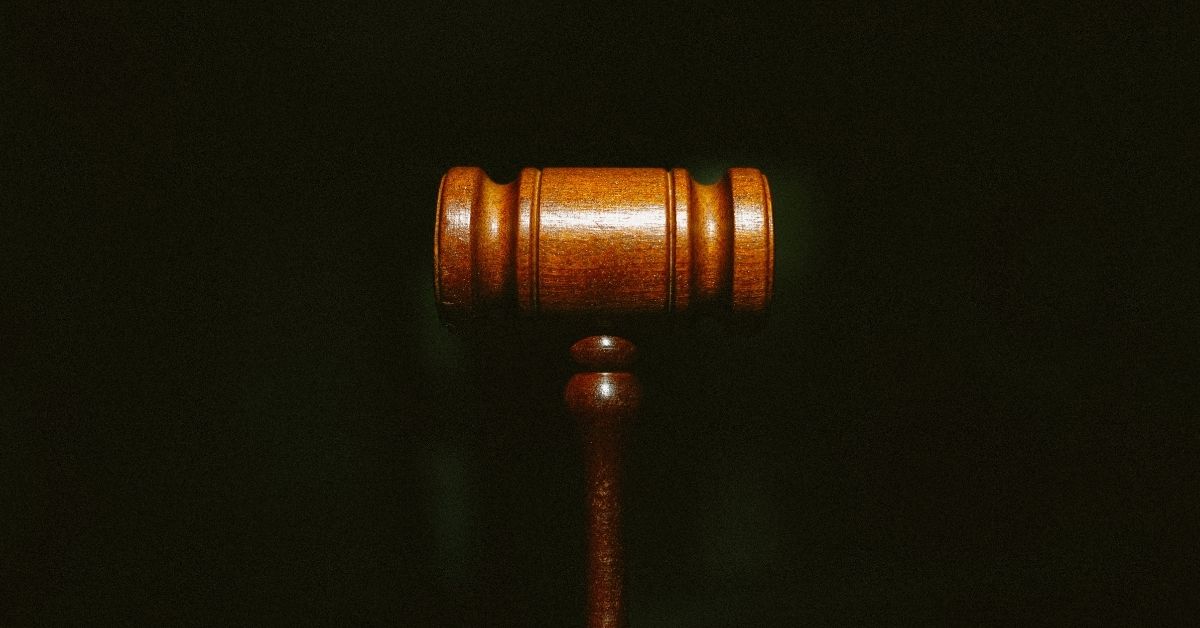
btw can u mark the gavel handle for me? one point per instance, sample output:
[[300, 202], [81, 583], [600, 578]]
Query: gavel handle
[[603, 400]]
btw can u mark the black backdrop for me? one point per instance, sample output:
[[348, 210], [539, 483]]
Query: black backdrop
[[235, 404]]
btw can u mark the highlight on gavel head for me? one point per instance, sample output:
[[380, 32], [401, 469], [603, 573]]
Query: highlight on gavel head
[[603, 244]]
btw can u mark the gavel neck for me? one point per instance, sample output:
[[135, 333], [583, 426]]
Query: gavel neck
[[603, 399]]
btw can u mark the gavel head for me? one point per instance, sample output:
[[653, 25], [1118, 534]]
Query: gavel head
[[602, 245]]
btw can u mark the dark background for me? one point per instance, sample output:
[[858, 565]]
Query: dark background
[[234, 403]]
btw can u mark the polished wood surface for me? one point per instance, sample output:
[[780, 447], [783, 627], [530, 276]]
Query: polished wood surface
[[603, 244], [603, 399], [606, 249]]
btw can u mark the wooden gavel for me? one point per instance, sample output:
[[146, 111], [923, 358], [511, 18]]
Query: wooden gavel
[[602, 250]]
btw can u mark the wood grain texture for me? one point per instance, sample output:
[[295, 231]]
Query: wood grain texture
[[603, 244], [604, 399], [604, 248]]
